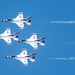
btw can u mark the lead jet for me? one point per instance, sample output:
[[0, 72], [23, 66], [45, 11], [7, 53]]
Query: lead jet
[[33, 41], [7, 36], [19, 20], [23, 57]]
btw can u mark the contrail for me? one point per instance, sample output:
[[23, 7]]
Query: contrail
[[63, 22], [63, 58], [72, 43]]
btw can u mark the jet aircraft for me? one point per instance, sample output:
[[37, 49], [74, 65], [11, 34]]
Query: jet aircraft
[[33, 41], [23, 57], [19, 20], [7, 36]]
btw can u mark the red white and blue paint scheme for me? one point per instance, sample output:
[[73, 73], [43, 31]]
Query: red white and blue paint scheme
[[33, 41], [23, 57], [7, 36], [19, 20]]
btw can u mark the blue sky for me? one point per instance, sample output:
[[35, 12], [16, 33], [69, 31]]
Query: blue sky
[[57, 36]]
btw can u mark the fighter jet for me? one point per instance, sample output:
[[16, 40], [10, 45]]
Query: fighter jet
[[7, 36], [19, 20], [23, 57], [33, 41]]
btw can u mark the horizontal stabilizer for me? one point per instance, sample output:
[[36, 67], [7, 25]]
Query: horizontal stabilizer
[[32, 60]]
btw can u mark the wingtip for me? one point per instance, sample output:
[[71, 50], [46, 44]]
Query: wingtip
[[44, 37], [43, 45], [16, 32], [9, 43], [22, 28], [33, 61], [24, 49], [34, 53], [25, 65], [34, 33], [7, 28], [20, 12], [35, 48]]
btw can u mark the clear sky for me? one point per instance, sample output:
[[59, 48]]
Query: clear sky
[[57, 36]]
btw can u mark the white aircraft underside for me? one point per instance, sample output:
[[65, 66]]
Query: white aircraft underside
[[7, 36], [33, 41], [23, 57], [19, 20]]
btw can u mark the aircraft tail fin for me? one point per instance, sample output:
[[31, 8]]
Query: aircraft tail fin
[[16, 39], [16, 33], [42, 41], [32, 57], [42, 38], [16, 36], [28, 23], [32, 60], [28, 19], [42, 44]]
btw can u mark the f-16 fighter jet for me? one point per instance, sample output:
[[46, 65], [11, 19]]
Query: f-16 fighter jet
[[7, 36], [23, 57], [33, 41], [19, 20]]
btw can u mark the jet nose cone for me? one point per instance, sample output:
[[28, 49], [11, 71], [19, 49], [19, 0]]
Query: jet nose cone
[[3, 20], [7, 57]]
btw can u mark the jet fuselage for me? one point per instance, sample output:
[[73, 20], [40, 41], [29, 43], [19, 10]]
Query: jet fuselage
[[16, 20], [34, 41], [20, 57], [7, 36]]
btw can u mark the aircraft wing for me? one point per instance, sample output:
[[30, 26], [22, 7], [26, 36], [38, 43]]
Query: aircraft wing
[[24, 61], [20, 24], [20, 16], [23, 53], [8, 40], [33, 37], [7, 32], [34, 45]]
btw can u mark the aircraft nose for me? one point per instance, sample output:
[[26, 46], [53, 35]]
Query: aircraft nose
[[3, 20], [7, 57]]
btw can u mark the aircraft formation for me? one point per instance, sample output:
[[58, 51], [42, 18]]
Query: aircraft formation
[[33, 40]]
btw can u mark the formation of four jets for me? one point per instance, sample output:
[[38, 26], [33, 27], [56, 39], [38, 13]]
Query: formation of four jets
[[33, 41]]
